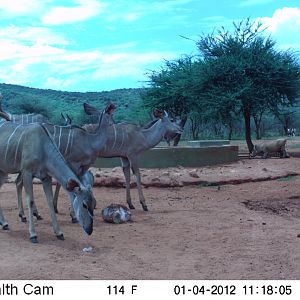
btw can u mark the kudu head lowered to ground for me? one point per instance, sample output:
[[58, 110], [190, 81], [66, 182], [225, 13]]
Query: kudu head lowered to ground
[[83, 204], [31, 150], [80, 148]]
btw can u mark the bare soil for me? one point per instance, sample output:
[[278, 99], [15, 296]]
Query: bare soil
[[235, 221]]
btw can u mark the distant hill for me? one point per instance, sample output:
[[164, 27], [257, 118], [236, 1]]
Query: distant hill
[[21, 99]]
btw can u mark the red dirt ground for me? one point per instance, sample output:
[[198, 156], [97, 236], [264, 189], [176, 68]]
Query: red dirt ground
[[244, 230]]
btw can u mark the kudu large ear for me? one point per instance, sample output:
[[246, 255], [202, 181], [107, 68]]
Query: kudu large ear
[[157, 113], [110, 108], [71, 185], [91, 110]]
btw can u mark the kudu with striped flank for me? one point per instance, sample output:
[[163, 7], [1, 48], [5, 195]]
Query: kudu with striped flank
[[25, 119], [128, 141], [79, 147], [30, 149]]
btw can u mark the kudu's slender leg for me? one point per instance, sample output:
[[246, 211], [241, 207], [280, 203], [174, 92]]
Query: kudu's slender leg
[[27, 181], [126, 171], [57, 189], [72, 212], [55, 198], [136, 172], [47, 186], [2, 219], [19, 186]]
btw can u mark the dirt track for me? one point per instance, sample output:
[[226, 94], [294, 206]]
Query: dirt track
[[240, 231]]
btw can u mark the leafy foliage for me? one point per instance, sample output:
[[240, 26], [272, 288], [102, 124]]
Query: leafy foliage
[[20, 99], [237, 74], [237, 77]]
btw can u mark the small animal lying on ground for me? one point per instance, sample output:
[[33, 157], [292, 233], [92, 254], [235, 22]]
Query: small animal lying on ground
[[271, 147]]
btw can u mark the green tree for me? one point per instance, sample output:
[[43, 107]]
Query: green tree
[[171, 87], [245, 66], [174, 88]]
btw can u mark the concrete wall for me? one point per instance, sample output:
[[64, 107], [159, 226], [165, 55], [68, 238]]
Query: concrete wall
[[178, 156], [208, 143]]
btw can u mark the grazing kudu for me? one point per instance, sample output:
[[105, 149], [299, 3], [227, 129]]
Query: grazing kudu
[[30, 149], [25, 119], [128, 141], [80, 149]]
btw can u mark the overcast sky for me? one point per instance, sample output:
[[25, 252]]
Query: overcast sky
[[95, 45]]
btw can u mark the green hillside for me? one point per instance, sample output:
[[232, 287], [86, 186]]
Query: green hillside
[[19, 99]]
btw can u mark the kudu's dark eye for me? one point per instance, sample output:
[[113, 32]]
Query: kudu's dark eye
[[84, 206]]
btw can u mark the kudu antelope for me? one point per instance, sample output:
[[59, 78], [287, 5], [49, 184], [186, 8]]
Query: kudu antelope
[[25, 119], [128, 141], [168, 137], [80, 149], [30, 149]]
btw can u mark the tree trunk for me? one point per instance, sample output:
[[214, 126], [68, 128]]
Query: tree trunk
[[230, 131], [257, 122], [194, 128], [247, 119]]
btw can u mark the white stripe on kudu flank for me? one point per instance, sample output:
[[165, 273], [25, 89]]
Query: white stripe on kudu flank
[[16, 154], [58, 146], [2, 123], [22, 119], [54, 132], [27, 119], [70, 132], [7, 145], [115, 132], [120, 148], [72, 139]]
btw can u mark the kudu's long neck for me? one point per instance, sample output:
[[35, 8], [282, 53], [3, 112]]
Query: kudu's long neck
[[56, 165], [154, 134], [58, 168], [99, 137]]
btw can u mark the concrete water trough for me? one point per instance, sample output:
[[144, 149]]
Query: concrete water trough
[[164, 157], [208, 143]]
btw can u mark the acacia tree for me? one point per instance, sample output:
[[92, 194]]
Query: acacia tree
[[245, 65], [172, 88]]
